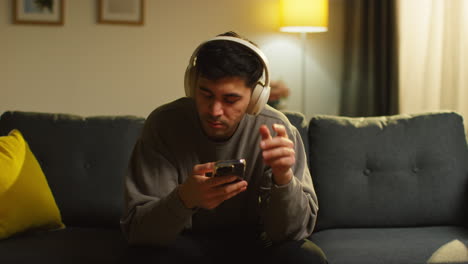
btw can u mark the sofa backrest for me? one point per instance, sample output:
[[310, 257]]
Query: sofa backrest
[[298, 120], [84, 160], [395, 171]]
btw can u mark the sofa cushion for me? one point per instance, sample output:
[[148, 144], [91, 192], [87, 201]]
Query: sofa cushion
[[432, 245], [26, 202], [70, 245], [404, 170], [85, 245], [84, 160]]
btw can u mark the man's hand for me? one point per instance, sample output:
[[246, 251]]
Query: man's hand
[[201, 191], [278, 153]]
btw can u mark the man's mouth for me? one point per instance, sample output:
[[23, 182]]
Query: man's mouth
[[215, 124]]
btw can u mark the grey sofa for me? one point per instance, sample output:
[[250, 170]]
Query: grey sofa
[[391, 189], [84, 160]]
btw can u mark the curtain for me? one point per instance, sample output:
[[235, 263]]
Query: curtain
[[434, 56], [370, 73]]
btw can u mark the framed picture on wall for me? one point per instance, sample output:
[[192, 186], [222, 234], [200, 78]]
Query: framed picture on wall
[[129, 12], [42, 12]]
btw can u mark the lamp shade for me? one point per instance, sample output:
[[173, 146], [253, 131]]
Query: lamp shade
[[303, 15]]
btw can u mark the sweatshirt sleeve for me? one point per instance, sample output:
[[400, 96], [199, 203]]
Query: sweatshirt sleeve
[[154, 213], [291, 210]]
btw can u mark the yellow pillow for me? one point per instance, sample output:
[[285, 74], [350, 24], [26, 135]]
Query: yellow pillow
[[26, 202]]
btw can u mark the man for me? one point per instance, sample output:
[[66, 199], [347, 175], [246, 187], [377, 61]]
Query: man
[[173, 202]]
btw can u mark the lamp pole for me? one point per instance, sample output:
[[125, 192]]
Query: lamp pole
[[302, 16], [304, 86]]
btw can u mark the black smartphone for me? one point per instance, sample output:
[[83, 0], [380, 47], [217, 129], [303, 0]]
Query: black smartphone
[[230, 167]]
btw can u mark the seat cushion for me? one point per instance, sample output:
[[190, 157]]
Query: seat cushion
[[445, 244], [392, 171], [83, 245], [70, 245]]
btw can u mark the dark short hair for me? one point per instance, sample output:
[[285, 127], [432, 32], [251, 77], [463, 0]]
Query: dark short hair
[[223, 58]]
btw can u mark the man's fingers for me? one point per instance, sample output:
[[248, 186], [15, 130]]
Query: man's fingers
[[221, 198], [229, 190], [220, 180], [225, 192], [201, 169], [277, 142], [280, 130], [275, 153], [235, 192], [265, 132]]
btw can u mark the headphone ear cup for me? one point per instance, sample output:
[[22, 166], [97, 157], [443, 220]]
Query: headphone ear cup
[[259, 98], [189, 81]]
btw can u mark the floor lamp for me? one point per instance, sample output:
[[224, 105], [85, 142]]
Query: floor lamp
[[303, 16]]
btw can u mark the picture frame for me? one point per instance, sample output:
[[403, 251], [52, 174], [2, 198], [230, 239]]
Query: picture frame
[[39, 12], [125, 12]]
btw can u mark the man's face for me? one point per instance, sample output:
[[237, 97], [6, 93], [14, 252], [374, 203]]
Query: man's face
[[221, 105]]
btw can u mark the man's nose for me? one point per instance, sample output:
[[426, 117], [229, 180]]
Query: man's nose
[[216, 108]]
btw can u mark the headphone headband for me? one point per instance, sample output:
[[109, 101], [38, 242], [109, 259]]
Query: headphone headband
[[259, 94]]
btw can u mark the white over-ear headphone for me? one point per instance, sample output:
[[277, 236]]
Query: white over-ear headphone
[[260, 93]]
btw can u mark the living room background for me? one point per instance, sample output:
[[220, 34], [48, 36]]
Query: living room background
[[87, 68]]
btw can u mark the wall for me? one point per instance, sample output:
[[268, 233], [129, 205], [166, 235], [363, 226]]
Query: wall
[[87, 68]]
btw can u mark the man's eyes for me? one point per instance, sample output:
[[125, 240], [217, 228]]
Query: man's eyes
[[207, 95], [231, 100]]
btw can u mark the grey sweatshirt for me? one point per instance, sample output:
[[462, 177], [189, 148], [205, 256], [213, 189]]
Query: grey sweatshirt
[[172, 142]]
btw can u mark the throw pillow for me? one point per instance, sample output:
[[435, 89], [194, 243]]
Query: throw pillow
[[26, 201]]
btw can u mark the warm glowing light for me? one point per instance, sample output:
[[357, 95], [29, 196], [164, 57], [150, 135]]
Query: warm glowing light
[[303, 15]]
